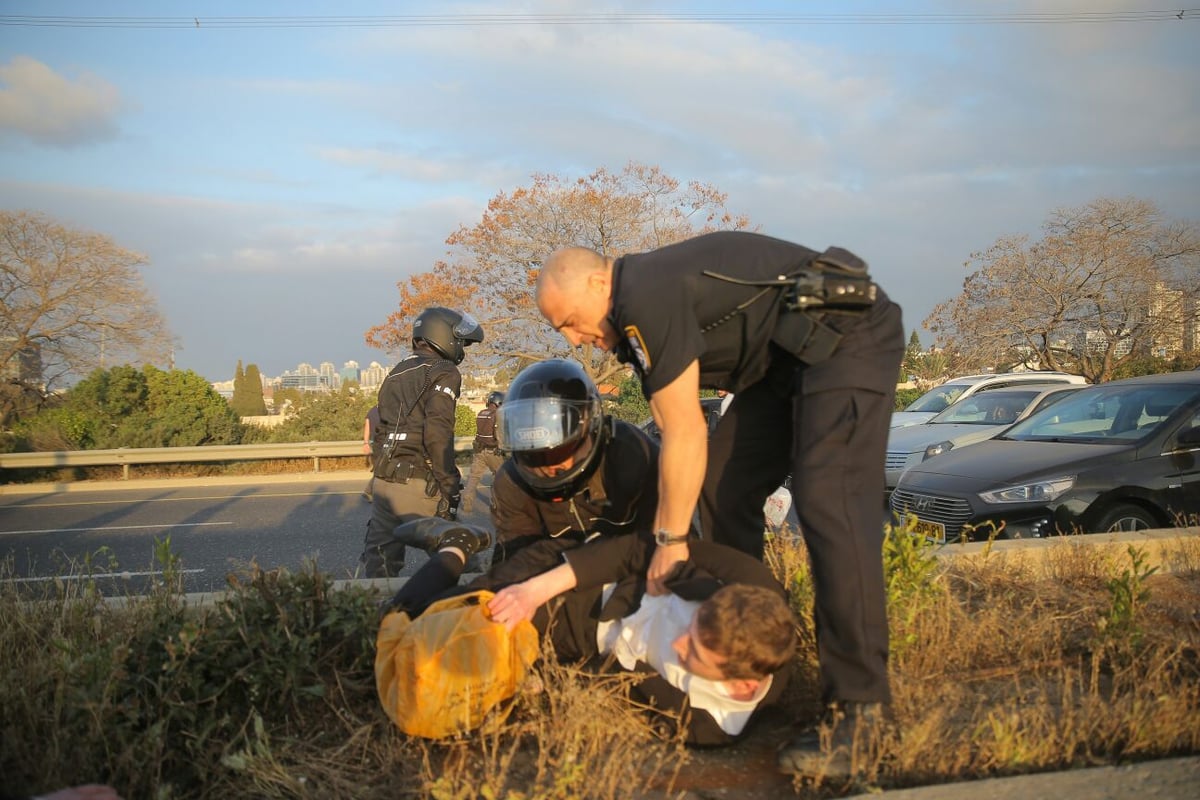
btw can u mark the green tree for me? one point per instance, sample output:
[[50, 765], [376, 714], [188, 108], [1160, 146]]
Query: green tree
[[187, 411], [247, 400], [239, 386], [289, 400], [333, 417], [127, 407], [631, 405], [912, 357], [464, 420], [254, 392]]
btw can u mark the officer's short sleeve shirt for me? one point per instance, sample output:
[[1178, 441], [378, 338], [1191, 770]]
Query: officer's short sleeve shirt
[[671, 307]]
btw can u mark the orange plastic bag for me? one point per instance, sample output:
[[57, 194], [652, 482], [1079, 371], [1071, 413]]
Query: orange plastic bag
[[440, 674]]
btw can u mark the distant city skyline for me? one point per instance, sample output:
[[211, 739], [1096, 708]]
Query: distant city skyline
[[326, 374]]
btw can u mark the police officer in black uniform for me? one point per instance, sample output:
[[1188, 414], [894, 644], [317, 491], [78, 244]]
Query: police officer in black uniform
[[573, 472], [415, 436], [811, 347], [487, 456]]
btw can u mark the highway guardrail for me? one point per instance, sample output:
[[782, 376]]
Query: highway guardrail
[[126, 457]]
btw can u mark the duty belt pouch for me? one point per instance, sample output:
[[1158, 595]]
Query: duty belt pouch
[[394, 471], [804, 335]]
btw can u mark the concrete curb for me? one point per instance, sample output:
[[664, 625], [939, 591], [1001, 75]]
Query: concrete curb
[[1167, 779]]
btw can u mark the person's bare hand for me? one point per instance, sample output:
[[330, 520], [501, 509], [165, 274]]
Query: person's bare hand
[[515, 604], [91, 791], [665, 561]]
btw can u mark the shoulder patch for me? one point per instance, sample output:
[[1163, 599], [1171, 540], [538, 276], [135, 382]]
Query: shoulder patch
[[638, 345], [437, 387]]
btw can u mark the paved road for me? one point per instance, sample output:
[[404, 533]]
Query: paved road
[[214, 526]]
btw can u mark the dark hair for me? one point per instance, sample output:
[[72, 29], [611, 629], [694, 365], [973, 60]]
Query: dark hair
[[751, 627]]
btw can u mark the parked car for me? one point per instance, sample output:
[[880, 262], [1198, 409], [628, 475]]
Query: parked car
[[937, 399], [711, 406], [969, 421], [1123, 455]]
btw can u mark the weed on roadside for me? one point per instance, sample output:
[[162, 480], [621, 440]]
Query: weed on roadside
[[1000, 663]]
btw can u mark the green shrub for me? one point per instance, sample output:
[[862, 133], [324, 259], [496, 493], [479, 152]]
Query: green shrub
[[906, 396]]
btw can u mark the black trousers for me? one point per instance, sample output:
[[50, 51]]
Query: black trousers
[[830, 430], [392, 504]]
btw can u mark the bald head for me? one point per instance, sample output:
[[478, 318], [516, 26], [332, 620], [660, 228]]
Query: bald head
[[573, 292], [568, 268]]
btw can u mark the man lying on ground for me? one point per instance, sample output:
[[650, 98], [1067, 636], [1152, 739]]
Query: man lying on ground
[[715, 649]]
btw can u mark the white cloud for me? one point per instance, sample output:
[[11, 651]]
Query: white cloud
[[378, 160], [51, 109]]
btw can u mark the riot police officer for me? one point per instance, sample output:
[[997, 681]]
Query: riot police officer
[[811, 347], [415, 437], [487, 456]]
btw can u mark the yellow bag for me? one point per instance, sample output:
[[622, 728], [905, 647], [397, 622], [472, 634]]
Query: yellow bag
[[441, 673]]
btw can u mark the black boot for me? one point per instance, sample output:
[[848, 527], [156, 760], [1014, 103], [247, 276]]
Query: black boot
[[432, 534], [843, 746]]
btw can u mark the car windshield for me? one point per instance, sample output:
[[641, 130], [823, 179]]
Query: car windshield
[[1104, 414], [937, 398], [987, 408]]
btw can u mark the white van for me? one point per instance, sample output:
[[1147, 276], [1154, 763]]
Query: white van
[[936, 399]]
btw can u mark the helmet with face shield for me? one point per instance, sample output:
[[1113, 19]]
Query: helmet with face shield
[[447, 331], [552, 426]]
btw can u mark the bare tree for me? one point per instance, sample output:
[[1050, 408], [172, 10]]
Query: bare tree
[[492, 265], [72, 301], [1106, 283]]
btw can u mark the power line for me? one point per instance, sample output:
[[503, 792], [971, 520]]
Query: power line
[[605, 18]]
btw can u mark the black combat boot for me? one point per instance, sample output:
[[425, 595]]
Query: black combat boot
[[841, 747], [432, 534]]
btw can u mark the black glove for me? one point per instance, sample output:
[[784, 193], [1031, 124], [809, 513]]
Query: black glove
[[431, 484], [448, 506]]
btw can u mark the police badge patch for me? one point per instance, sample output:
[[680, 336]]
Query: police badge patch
[[638, 346]]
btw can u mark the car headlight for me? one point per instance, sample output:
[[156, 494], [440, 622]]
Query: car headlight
[[938, 449], [1038, 492]]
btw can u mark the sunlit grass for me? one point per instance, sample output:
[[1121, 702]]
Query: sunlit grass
[[1002, 663]]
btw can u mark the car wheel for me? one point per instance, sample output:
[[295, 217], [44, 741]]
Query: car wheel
[[1126, 517]]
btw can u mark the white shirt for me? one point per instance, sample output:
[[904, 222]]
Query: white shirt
[[647, 635]]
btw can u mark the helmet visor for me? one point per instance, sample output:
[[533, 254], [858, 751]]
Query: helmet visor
[[547, 426], [467, 328]]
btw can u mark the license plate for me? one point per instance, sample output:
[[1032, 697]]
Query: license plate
[[934, 531]]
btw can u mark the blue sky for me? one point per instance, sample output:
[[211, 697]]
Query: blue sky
[[281, 180]]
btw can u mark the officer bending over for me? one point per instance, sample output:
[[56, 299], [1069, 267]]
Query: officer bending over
[[811, 347]]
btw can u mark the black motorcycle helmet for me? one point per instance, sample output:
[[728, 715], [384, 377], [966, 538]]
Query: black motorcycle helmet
[[495, 399], [551, 413], [447, 331]]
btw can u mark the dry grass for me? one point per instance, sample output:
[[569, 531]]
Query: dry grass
[[1001, 664]]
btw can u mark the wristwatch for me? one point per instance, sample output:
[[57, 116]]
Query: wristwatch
[[664, 537]]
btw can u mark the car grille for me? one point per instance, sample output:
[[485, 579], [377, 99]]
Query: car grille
[[895, 460], [951, 512]]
